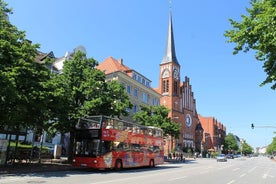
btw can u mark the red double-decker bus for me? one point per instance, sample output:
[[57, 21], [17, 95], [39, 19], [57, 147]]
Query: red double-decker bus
[[104, 142]]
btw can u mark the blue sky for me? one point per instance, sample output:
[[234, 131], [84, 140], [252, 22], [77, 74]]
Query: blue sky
[[225, 86]]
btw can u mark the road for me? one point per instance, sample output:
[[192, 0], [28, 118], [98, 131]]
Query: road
[[253, 170]]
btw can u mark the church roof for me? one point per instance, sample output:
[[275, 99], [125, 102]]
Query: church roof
[[170, 55]]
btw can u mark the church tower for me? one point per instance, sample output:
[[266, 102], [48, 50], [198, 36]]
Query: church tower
[[178, 97], [169, 88], [169, 80]]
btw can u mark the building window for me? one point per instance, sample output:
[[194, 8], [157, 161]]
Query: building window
[[165, 86], [143, 81], [136, 93], [134, 108], [147, 83], [129, 90], [134, 76], [155, 101], [145, 98], [124, 85], [139, 79]]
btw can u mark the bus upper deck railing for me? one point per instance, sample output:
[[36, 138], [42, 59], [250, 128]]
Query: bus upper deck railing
[[105, 122]]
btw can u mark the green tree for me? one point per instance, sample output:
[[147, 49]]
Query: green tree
[[271, 149], [256, 31], [246, 148], [230, 143], [81, 90], [157, 116], [23, 100]]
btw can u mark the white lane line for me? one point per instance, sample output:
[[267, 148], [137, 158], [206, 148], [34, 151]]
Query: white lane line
[[236, 169], [242, 175], [179, 178], [230, 182], [203, 172], [267, 174], [252, 169]]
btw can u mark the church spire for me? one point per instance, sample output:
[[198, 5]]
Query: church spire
[[170, 50]]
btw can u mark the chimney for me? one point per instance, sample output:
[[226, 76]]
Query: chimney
[[121, 61]]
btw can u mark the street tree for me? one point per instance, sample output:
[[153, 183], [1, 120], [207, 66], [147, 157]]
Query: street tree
[[271, 149], [81, 90], [23, 94], [157, 116], [256, 31], [246, 148], [230, 143]]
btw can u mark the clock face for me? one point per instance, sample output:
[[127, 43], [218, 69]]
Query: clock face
[[188, 120], [175, 74]]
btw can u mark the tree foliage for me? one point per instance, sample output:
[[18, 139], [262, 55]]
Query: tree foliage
[[157, 116], [256, 31], [271, 149], [23, 94], [81, 90], [231, 143], [246, 148]]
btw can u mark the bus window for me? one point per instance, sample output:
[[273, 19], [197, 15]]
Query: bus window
[[156, 149], [120, 125], [126, 147], [110, 124], [106, 147], [150, 131], [136, 147]]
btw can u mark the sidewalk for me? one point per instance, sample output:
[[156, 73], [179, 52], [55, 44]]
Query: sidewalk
[[24, 168]]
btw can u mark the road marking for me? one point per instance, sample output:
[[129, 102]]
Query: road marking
[[267, 174], [179, 178], [230, 182], [204, 172], [242, 175], [252, 169], [236, 169]]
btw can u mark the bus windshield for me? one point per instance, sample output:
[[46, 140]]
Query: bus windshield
[[87, 147]]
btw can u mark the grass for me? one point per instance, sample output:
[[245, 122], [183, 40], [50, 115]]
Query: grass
[[26, 146]]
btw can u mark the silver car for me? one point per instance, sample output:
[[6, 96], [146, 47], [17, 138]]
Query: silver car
[[221, 158]]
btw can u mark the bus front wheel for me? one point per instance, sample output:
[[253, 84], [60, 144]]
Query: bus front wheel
[[118, 165]]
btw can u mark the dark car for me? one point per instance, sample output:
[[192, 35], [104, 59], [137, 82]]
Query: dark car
[[230, 156]]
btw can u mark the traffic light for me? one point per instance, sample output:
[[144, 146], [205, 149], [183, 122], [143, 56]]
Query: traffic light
[[252, 125]]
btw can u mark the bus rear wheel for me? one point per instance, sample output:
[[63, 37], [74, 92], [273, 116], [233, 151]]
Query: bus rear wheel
[[118, 165], [151, 164]]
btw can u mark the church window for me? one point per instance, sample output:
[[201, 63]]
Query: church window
[[165, 86]]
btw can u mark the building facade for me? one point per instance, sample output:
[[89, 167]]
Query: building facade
[[213, 135], [138, 87]]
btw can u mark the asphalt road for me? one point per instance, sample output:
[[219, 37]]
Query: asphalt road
[[256, 170]]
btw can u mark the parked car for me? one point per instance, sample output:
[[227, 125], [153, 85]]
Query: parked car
[[221, 158], [230, 156]]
